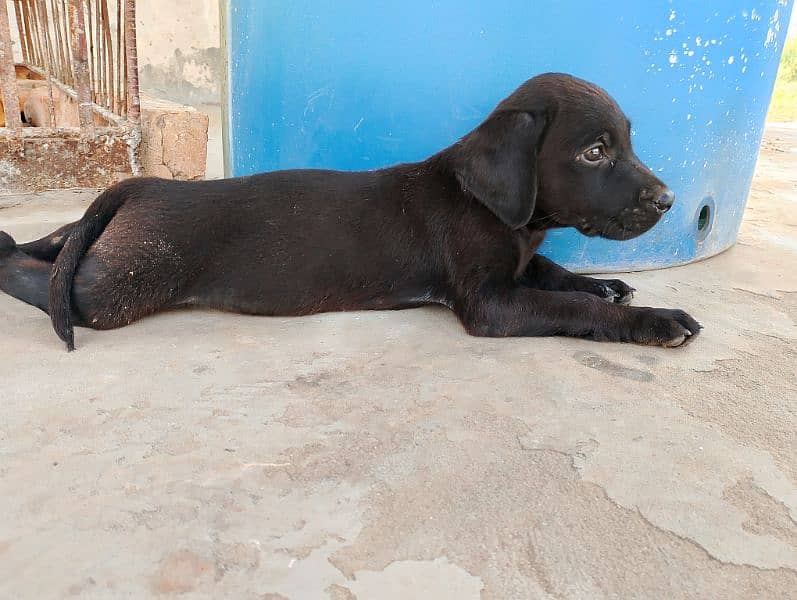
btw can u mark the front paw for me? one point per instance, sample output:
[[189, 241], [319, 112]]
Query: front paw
[[664, 327], [614, 290]]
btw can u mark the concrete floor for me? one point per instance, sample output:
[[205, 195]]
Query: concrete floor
[[390, 456]]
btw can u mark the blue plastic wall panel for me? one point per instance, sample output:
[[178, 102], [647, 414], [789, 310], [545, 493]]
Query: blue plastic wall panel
[[356, 84]]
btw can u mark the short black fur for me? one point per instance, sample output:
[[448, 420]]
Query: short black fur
[[460, 229]]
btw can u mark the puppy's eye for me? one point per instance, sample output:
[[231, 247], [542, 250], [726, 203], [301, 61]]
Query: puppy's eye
[[594, 154]]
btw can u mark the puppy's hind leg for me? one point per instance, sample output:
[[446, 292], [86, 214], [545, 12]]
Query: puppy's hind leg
[[48, 247], [22, 276], [103, 299]]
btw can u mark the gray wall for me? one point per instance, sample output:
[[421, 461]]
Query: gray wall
[[179, 50]]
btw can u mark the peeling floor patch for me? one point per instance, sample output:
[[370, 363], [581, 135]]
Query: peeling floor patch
[[420, 580]]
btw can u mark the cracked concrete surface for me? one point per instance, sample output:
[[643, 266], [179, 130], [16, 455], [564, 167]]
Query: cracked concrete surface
[[174, 140], [388, 455]]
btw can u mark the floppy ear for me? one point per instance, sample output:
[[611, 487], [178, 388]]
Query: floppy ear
[[497, 164]]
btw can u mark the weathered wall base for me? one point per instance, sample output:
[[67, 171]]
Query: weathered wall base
[[65, 161]]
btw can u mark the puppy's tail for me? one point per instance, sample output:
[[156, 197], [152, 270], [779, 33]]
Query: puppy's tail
[[85, 233]]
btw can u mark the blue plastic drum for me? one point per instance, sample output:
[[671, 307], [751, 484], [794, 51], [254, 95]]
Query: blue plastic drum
[[363, 84]]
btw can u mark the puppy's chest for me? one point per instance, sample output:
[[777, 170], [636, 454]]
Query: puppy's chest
[[527, 242]]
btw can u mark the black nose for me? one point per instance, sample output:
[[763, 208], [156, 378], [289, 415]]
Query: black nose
[[662, 202]]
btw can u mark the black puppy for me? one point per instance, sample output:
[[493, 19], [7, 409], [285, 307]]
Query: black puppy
[[459, 229]]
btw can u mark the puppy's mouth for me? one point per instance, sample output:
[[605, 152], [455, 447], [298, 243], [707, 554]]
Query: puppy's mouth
[[625, 226]]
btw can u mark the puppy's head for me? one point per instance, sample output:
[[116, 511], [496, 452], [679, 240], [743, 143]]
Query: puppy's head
[[557, 152]]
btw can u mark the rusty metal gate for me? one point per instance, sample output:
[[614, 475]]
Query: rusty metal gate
[[70, 100]]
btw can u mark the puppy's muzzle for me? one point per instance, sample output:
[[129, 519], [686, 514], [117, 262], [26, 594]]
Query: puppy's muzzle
[[661, 199]]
